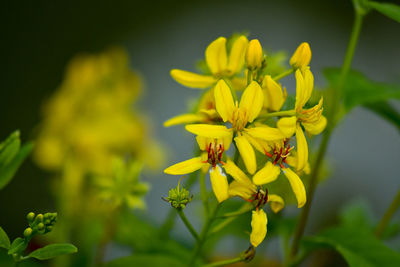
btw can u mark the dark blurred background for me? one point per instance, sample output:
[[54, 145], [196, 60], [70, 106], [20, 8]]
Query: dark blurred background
[[38, 38]]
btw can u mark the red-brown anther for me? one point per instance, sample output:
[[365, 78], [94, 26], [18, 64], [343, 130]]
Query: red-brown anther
[[280, 154], [259, 199], [214, 153]]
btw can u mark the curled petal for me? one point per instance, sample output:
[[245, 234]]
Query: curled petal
[[273, 94], [316, 127], [185, 119], [265, 133], [224, 101], [300, 90], [276, 202], [236, 56], [185, 167], [297, 186], [302, 148], [308, 83], [219, 183], [287, 126], [238, 174], [247, 153], [216, 56], [267, 174], [258, 227], [192, 80], [252, 101], [209, 130]]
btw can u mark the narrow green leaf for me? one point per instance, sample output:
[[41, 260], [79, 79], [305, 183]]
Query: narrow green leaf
[[53, 250], [17, 246], [359, 90], [9, 148], [146, 260], [4, 240], [358, 246], [8, 171], [388, 9], [385, 111]]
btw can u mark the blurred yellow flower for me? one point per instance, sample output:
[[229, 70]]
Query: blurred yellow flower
[[301, 57]]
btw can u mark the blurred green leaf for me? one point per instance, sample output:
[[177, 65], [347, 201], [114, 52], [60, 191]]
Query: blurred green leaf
[[7, 171], [9, 148], [388, 9], [146, 260], [4, 240], [53, 250], [359, 247], [17, 246], [385, 111], [357, 214], [359, 90]]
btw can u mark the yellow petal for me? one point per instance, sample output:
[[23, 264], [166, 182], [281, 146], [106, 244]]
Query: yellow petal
[[265, 133], [273, 94], [236, 56], [238, 174], [252, 101], [302, 148], [224, 101], [316, 127], [241, 190], [185, 119], [191, 79], [216, 57], [276, 202], [258, 227], [308, 83], [302, 56], [297, 186], [239, 83], [267, 174], [254, 54], [209, 130], [287, 126], [204, 142], [219, 183], [300, 88], [185, 167], [257, 143], [247, 153]]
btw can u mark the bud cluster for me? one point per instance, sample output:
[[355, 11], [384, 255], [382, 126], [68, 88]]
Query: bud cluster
[[39, 224], [179, 197]]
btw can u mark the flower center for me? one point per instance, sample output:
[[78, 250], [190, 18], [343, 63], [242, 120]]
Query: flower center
[[280, 153], [260, 198], [214, 153], [240, 118]]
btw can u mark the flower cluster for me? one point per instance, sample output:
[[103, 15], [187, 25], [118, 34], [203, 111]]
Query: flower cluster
[[256, 124]]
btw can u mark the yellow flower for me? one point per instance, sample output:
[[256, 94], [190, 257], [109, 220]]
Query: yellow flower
[[254, 55], [219, 62], [274, 97], [239, 115], [210, 159], [311, 119], [301, 57]]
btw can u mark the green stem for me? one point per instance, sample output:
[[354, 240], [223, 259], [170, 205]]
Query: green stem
[[188, 224], [383, 223], [283, 74], [203, 193], [224, 262], [203, 235], [244, 209], [334, 105], [284, 113]]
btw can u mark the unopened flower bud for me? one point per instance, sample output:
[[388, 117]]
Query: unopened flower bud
[[28, 232], [39, 218], [254, 55], [30, 216], [179, 197], [40, 226], [301, 57], [249, 254]]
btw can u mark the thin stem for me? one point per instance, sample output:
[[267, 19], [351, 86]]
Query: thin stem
[[224, 262], [203, 192], [284, 113], [383, 223], [283, 74], [335, 96], [188, 224], [203, 235], [244, 209]]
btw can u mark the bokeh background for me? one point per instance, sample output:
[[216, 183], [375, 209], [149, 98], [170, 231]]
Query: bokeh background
[[40, 37]]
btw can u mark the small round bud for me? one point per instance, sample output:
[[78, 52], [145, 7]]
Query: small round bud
[[254, 55], [179, 197], [49, 228], [40, 226], [39, 218], [30, 216], [28, 232], [301, 57]]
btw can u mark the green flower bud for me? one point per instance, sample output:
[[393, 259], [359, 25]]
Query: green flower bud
[[28, 231], [30, 216], [40, 226], [248, 254], [179, 197], [39, 218]]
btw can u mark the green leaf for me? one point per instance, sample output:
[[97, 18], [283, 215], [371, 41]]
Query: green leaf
[[4, 240], [9, 148], [17, 246], [359, 90], [7, 172], [389, 10], [146, 260], [53, 250], [357, 246], [385, 111]]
